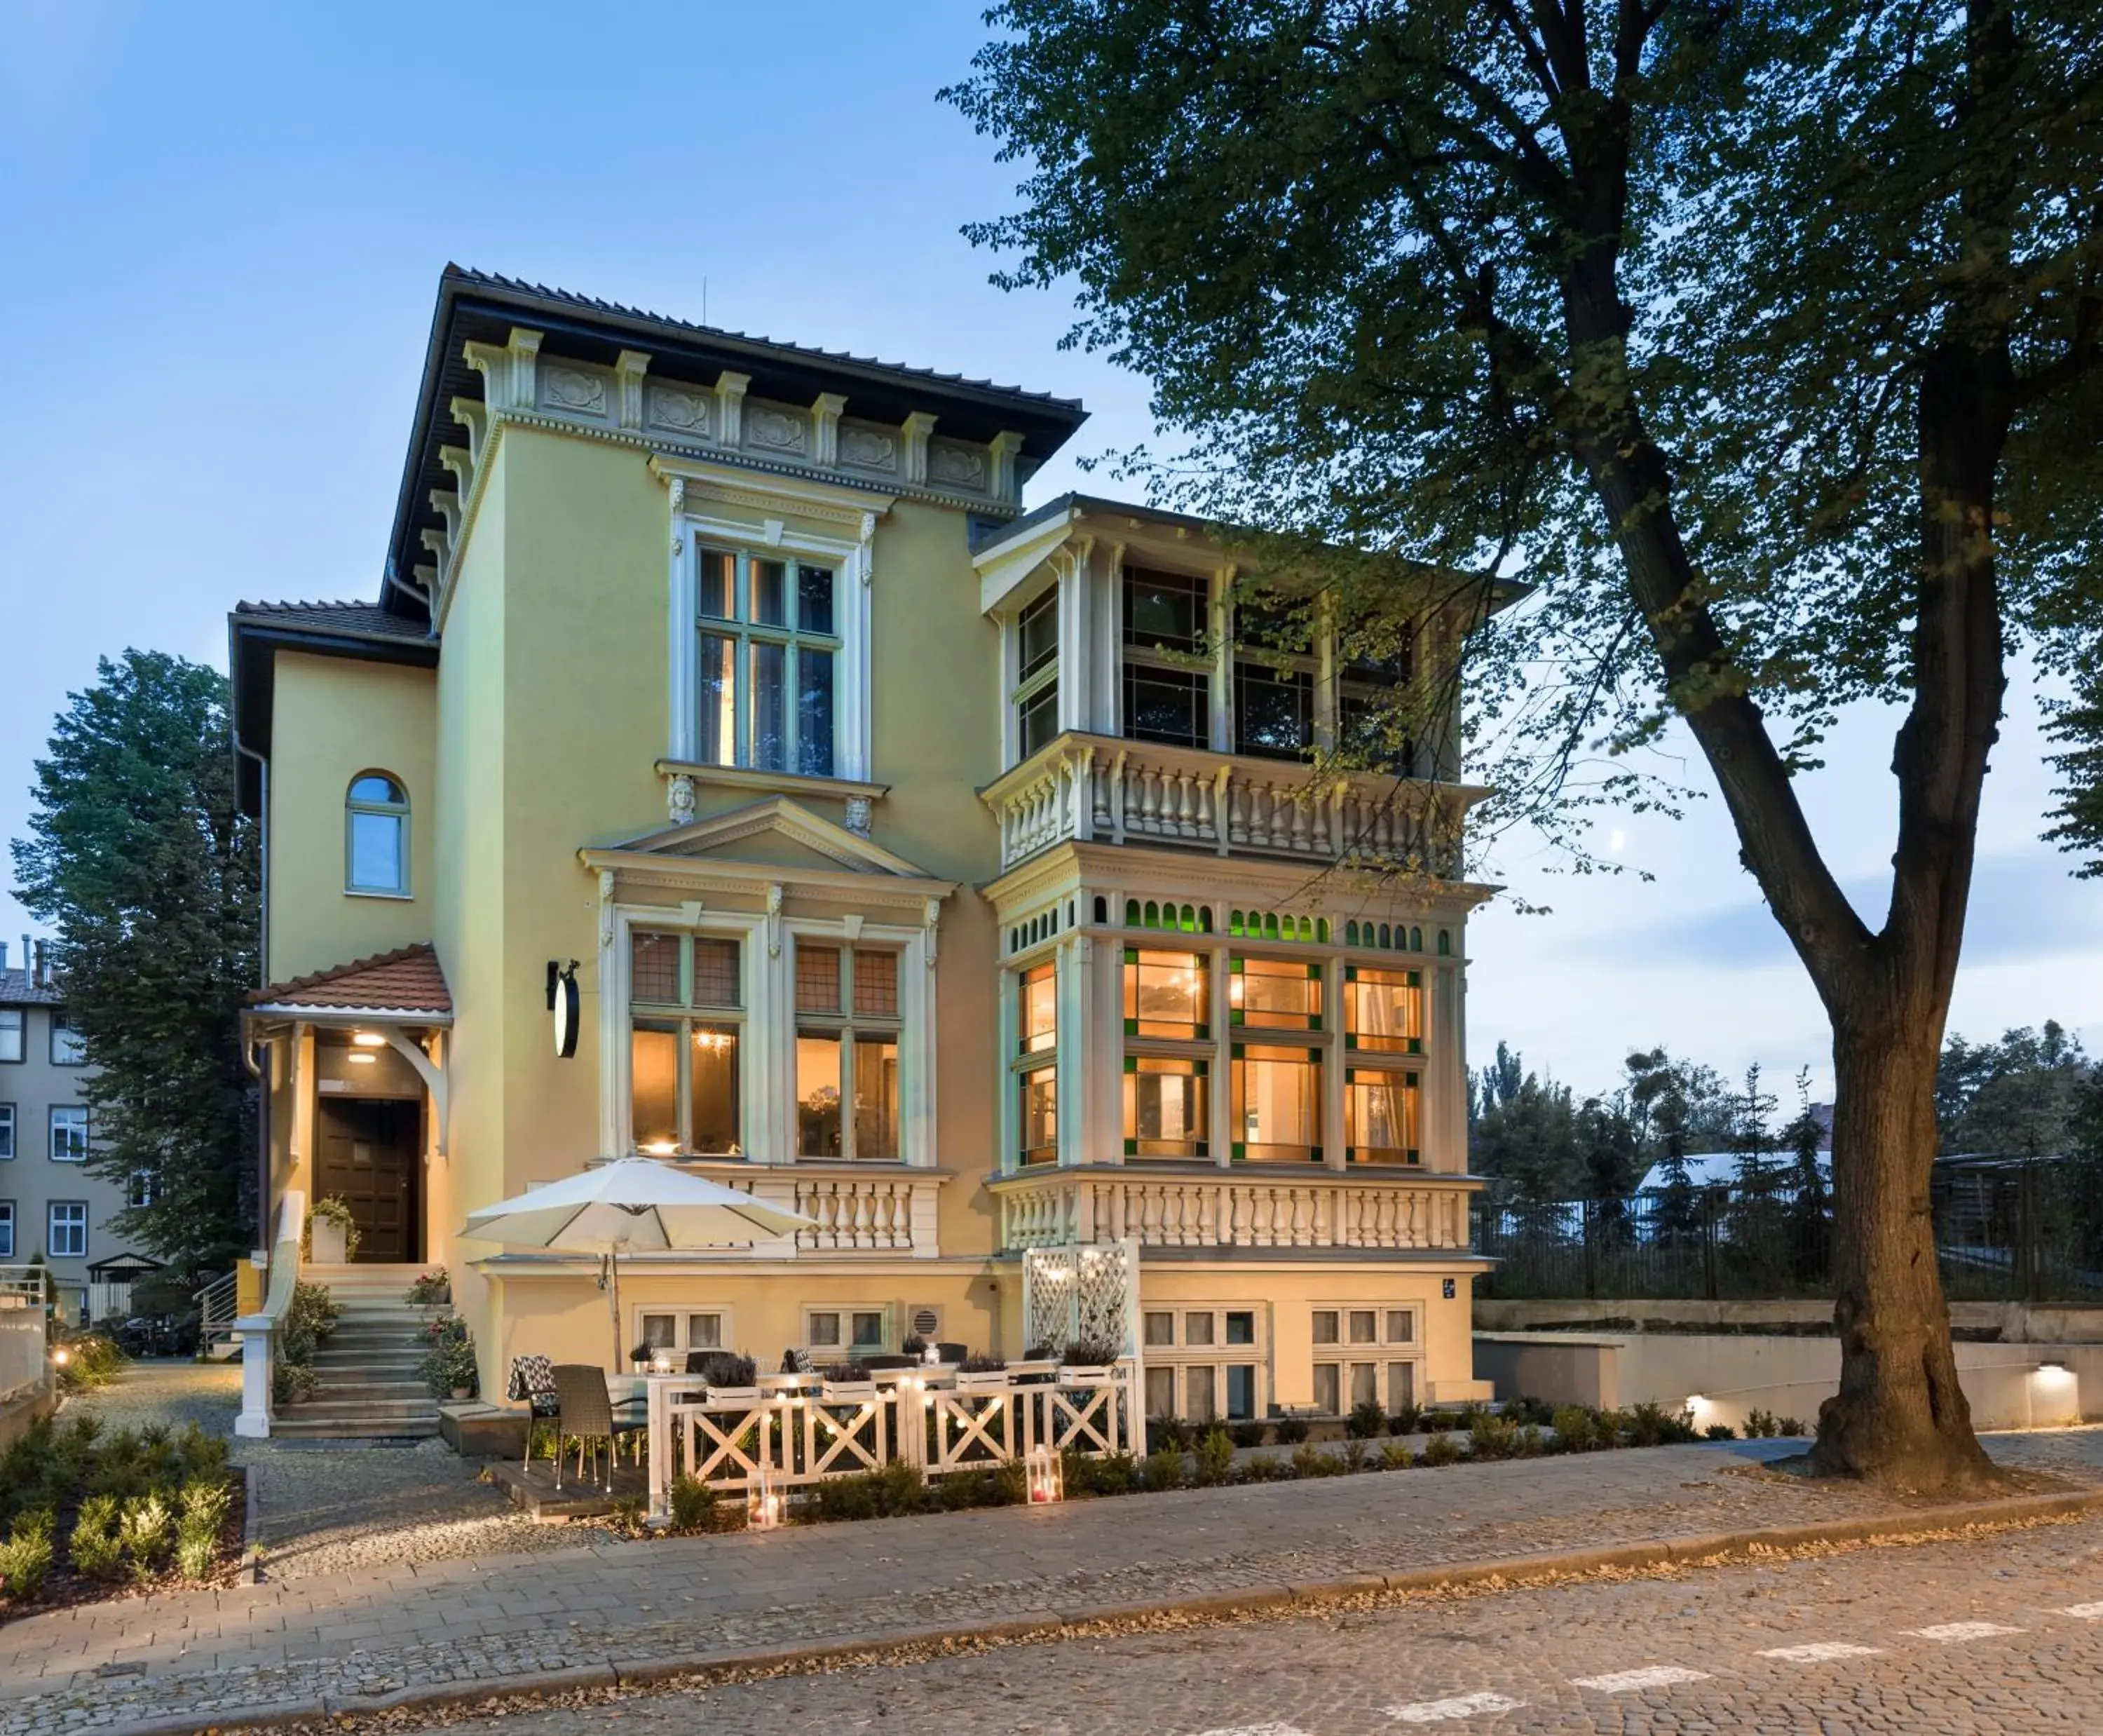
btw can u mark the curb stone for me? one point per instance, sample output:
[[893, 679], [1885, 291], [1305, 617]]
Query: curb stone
[[1510, 1570]]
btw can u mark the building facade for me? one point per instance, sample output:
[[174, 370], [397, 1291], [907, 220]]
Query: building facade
[[951, 872], [51, 1208]]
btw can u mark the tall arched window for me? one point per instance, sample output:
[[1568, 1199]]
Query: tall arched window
[[376, 836]]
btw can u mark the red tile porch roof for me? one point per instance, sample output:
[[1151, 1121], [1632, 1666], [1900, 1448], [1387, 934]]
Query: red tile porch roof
[[406, 980]]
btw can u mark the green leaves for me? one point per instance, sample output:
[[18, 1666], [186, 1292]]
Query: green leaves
[[138, 854]]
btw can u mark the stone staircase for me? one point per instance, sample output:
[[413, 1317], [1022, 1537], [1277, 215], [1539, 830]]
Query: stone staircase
[[369, 1386]]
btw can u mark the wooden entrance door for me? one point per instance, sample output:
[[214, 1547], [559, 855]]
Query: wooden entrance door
[[371, 1158]]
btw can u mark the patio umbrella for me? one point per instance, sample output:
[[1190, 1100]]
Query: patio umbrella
[[632, 1204]]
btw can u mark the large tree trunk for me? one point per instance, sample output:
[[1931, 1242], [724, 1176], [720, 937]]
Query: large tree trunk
[[1899, 1417]]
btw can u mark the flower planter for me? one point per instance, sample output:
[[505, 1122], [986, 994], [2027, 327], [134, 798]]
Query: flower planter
[[1086, 1374], [785, 1386], [330, 1242], [996, 1380], [462, 1392], [847, 1391], [732, 1395]]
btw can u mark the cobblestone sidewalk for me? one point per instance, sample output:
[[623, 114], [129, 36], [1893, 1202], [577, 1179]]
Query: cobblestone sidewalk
[[369, 1631]]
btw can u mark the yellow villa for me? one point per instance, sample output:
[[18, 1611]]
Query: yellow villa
[[731, 770]]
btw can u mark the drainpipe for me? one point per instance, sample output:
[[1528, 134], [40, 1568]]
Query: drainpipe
[[263, 878], [256, 1057]]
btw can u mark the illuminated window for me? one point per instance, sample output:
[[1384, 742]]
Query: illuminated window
[[1166, 994], [847, 1064], [1276, 1104], [1275, 994], [1383, 1010], [684, 1027], [1037, 995], [1380, 1116], [1039, 1092], [1167, 1107]]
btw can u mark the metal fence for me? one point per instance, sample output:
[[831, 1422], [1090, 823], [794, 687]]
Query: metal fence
[[2005, 1231]]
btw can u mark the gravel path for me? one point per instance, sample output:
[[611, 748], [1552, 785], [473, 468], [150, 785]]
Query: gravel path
[[326, 1507]]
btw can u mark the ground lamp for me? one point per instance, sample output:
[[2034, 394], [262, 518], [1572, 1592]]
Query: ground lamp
[[762, 1505]]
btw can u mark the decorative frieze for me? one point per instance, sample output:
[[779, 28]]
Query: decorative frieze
[[951, 463], [777, 430], [574, 390], [680, 410], [865, 447]]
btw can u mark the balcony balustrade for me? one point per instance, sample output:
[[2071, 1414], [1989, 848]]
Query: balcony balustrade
[[890, 1211], [1083, 787], [1054, 1206]]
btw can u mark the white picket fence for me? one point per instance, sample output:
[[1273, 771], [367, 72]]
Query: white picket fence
[[940, 1424]]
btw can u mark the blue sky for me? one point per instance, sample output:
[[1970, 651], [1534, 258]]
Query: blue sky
[[224, 227]]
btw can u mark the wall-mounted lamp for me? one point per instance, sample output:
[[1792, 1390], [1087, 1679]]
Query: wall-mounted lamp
[[368, 1039], [563, 1002], [358, 1057]]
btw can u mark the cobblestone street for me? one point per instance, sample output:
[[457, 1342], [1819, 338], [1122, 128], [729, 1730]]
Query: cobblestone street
[[289, 1647], [2001, 1634]]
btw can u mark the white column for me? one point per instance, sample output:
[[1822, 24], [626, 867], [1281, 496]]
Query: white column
[[1223, 665]]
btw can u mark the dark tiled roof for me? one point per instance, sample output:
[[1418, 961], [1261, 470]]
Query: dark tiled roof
[[360, 620], [593, 304], [406, 980], [17, 991]]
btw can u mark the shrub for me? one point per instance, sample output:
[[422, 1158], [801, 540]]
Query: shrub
[[292, 1383], [1248, 1434], [1167, 1433], [1266, 1467], [26, 1558], [93, 1361], [1165, 1469], [309, 1318], [95, 1547], [1214, 1458], [1522, 1410], [1531, 1443], [1311, 1461], [1575, 1428], [1394, 1455], [1720, 1431], [1760, 1425], [1366, 1422], [1291, 1431], [1006, 1485], [1114, 1474], [1492, 1437], [205, 1504], [1403, 1421], [1651, 1425], [693, 1504], [1790, 1426], [895, 1489], [1441, 1449], [148, 1529], [435, 1285], [1437, 1422], [1355, 1455]]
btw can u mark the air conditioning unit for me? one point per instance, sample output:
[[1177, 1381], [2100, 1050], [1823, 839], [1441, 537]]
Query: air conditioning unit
[[924, 1319]]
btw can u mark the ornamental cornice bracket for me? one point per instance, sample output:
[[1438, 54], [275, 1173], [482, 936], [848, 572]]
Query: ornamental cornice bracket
[[773, 920], [825, 427], [930, 918], [474, 418], [1004, 449], [628, 368], [916, 429], [731, 388]]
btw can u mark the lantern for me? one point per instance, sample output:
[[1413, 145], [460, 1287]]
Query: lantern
[[661, 1363], [763, 1506], [1047, 1481]]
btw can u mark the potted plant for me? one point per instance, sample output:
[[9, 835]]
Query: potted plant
[[332, 1231], [639, 1355], [1039, 1365], [431, 1289], [730, 1379], [1086, 1362], [448, 1367]]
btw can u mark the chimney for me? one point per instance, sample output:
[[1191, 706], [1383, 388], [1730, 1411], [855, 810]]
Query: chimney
[[44, 967], [29, 964], [4, 958]]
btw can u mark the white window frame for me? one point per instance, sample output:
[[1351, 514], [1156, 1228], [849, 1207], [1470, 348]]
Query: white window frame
[[139, 1190], [749, 515], [745, 631], [767, 1084], [1023, 688], [724, 1315], [1382, 1352], [15, 1023], [1182, 1355], [688, 1014], [52, 1248], [848, 1027], [886, 1324], [51, 1127], [399, 812], [6, 1229], [10, 1133], [69, 1048]]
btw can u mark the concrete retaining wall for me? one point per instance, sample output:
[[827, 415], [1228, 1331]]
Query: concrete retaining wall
[[2013, 1323], [1734, 1374]]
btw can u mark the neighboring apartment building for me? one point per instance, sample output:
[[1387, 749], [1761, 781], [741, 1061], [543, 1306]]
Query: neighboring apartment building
[[947, 871], [49, 1205]]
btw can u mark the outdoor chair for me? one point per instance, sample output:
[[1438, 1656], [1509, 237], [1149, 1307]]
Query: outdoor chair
[[584, 1411], [888, 1359], [532, 1379]]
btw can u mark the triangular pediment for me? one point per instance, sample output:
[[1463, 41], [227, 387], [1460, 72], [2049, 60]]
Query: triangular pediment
[[778, 832]]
